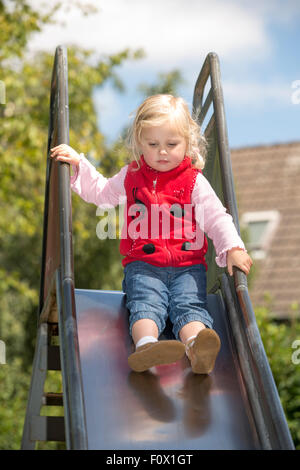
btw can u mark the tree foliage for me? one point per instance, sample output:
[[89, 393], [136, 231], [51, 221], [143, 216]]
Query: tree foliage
[[23, 142], [166, 83], [278, 339]]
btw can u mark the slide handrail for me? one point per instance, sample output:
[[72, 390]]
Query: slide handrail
[[57, 256], [268, 414]]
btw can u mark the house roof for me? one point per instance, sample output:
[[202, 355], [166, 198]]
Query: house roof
[[267, 178]]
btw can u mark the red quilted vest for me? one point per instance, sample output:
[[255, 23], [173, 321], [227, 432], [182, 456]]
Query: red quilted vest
[[160, 226]]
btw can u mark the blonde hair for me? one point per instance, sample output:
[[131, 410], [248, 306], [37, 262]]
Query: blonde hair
[[158, 109]]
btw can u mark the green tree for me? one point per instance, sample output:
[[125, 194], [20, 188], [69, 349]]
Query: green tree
[[278, 339], [23, 142], [166, 83]]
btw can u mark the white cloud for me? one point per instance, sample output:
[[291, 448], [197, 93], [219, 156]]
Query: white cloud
[[176, 31], [281, 11], [179, 33], [256, 94]]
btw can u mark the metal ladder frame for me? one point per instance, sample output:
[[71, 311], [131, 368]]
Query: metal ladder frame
[[57, 310]]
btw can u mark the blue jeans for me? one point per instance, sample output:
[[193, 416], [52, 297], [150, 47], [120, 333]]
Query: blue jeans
[[157, 293]]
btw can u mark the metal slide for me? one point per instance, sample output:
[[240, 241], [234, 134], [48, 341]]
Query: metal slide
[[107, 406], [169, 408]]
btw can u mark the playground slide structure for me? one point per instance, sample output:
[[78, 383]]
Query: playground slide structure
[[84, 333]]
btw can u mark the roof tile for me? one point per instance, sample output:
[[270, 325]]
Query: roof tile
[[267, 178]]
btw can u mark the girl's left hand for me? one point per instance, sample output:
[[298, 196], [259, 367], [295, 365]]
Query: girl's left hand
[[241, 259], [65, 153]]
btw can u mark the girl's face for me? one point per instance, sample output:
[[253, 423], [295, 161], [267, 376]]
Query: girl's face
[[163, 147]]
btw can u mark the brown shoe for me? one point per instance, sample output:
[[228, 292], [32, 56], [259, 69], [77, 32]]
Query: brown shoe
[[156, 354], [203, 351]]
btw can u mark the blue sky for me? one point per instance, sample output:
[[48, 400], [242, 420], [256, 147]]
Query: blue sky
[[257, 43]]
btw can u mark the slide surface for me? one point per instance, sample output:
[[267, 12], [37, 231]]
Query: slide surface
[[168, 407]]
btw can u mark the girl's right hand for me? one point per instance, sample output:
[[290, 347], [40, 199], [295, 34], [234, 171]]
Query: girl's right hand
[[65, 153]]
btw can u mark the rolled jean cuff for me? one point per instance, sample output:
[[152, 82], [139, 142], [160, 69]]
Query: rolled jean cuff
[[204, 317], [134, 317]]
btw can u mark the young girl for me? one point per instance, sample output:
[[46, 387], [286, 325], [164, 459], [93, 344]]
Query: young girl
[[165, 269]]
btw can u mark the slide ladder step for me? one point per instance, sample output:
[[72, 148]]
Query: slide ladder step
[[47, 428], [52, 399]]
